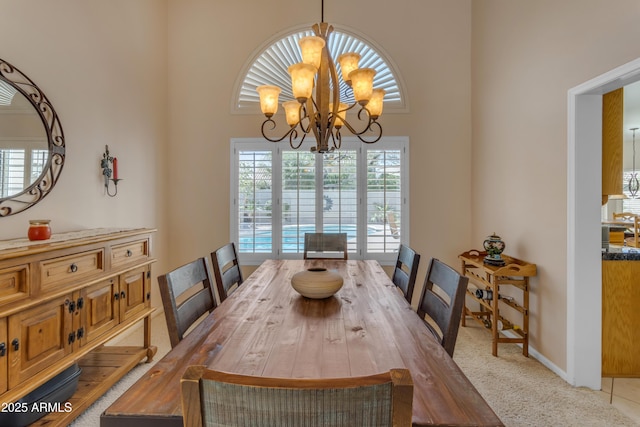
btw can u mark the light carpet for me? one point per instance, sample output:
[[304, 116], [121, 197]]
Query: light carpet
[[520, 390], [523, 392]]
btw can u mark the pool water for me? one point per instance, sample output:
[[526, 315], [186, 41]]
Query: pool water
[[292, 237]]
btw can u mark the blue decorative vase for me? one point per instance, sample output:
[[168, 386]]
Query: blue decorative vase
[[494, 247]]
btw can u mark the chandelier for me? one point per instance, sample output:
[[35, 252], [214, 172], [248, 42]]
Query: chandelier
[[317, 108], [634, 184]]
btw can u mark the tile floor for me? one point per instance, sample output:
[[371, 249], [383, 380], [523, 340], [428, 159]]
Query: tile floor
[[626, 395]]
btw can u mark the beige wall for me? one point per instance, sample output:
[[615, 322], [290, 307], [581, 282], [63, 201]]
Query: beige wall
[[154, 80], [103, 67], [209, 43], [526, 56]]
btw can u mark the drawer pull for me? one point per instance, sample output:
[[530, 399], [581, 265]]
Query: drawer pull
[[73, 267], [72, 337], [16, 344], [72, 306], [80, 303], [123, 295], [116, 296], [129, 253], [3, 349]]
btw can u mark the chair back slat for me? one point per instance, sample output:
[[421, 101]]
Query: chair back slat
[[187, 295], [442, 301], [325, 246]]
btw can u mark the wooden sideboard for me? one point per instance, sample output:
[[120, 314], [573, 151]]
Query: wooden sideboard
[[61, 300]]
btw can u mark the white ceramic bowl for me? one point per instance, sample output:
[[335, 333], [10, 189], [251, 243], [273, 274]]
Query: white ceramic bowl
[[316, 283]]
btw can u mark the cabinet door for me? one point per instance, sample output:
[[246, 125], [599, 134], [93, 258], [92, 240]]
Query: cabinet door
[[134, 292], [39, 337], [3, 355], [100, 310], [612, 142]]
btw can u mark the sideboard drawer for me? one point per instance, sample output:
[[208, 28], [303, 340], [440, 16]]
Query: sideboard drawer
[[70, 269], [14, 283], [129, 252]]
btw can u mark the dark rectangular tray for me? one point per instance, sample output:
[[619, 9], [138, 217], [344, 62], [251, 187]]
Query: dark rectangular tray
[[50, 396]]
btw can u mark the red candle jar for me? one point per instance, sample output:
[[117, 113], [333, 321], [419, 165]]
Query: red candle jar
[[39, 229]]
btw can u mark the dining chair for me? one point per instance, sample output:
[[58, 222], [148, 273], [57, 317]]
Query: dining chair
[[631, 237], [186, 296], [442, 301], [214, 398], [226, 270], [322, 245], [406, 271]]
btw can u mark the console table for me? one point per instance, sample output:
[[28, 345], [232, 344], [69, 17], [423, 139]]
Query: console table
[[486, 277], [61, 300]]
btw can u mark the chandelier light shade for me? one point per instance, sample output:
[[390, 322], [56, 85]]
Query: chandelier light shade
[[317, 108], [292, 112], [376, 103], [311, 49], [362, 84], [302, 77], [342, 114], [268, 99], [348, 62]]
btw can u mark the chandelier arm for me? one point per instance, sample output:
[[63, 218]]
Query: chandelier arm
[[304, 116], [273, 126], [335, 92], [337, 140], [313, 120], [371, 124], [292, 136]]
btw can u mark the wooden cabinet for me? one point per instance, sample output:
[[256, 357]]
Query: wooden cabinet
[[111, 302], [4, 377], [14, 283], [499, 312], [612, 145], [100, 311], [135, 293], [620, 318], [38, 338], [62, 299]]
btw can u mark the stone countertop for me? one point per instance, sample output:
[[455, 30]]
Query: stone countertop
[[622, 254]]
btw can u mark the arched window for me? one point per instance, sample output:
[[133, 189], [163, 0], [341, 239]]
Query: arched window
[[270, 67]]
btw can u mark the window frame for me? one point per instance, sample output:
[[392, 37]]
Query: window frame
[[348, 143]]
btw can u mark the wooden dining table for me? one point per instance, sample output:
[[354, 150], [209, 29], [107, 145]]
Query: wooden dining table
[[265, 328]]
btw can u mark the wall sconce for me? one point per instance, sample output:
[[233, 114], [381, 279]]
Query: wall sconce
[[107, 172]]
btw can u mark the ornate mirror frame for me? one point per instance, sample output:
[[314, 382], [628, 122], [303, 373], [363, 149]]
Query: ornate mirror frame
[[42, 186]]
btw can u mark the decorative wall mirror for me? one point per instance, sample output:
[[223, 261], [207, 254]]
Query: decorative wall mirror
[[32, 149]]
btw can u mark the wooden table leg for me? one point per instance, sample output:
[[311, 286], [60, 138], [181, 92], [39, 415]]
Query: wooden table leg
[[151, 349]]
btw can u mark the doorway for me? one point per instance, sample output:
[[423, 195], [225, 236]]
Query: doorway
[[584, 261]]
